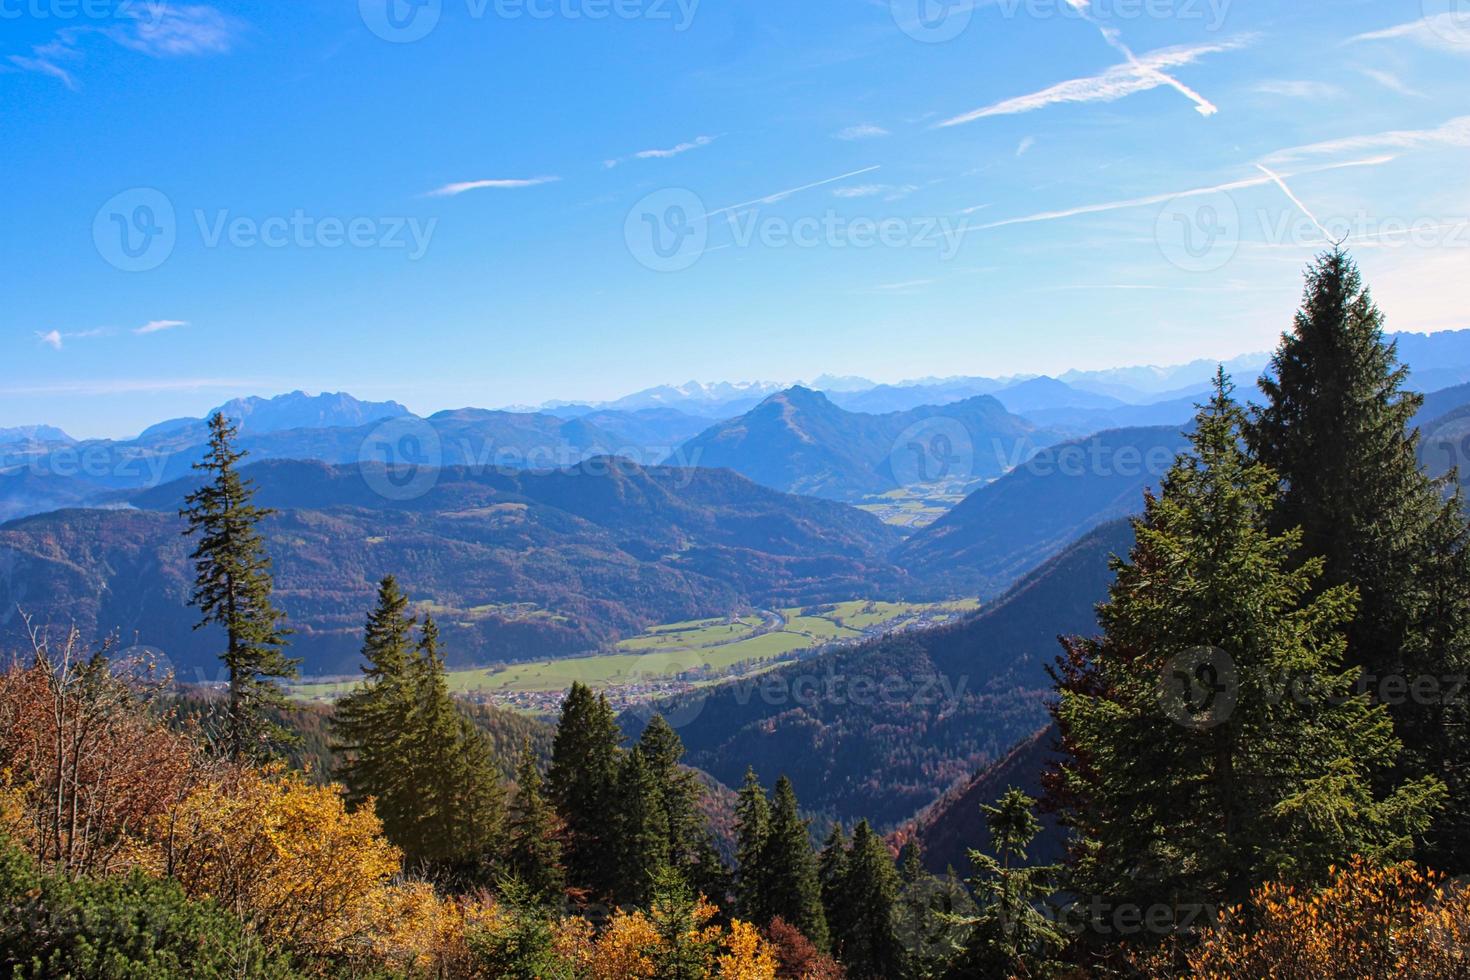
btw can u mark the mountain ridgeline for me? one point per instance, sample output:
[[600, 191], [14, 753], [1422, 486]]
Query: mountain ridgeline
[[800, 442]]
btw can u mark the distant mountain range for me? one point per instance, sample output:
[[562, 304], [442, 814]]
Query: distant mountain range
[[800, 442], [295, 410], [33, 434], [514, 564], [1009, 527]]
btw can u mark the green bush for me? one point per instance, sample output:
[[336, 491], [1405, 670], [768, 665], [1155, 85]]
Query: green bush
[[126, 928]]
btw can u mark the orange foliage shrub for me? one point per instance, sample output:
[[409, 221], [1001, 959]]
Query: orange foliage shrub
[[1369, 921], [92, 768], [287, 858]]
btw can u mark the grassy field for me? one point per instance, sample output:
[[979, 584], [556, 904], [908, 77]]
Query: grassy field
[[911, 509], [706, 645]]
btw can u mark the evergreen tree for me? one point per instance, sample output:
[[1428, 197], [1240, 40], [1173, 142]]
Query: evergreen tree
[[534, 854], [232, 590], [370, 724], [935, 917], [1011, 935], [870, 947], [686, 948], [582, 783], [1260, 767], [792, 889], [1335, 429], [832, 877], [679, 794], [459, 806], [752, 826], [642, 832]]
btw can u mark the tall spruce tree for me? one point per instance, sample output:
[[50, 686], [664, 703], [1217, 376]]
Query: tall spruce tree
[[1012, 935], [459, 806], [679, 794], [232, 590], [533, 853], [870, 947], [641, 825], [1196, 799], [832, 876], [752, 827], [793, 890], [582, 784], [371, 724], [1335, 429]]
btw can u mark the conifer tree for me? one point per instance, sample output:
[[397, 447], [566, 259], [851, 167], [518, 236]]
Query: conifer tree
[[935, 917], [752, 826], [679, 793], [1011, 935], [1260, 767], [582, 784], [232, 590], [793, 890], [534, 852], [832, 877], [371, 723], [642, 832], [1335, 430], [459, 805], [870, 947]]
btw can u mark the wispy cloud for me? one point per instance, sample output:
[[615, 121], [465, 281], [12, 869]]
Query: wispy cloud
[[499, 183], [158, 326], [1152, 199], [1391, 82], [860, 190], [1281, 183], [862, 131], [1455, 133], [1442, 32], [782, 195], [156, 28], [56, 339], [911, 284], [1140, 74], [1288, 89], [673, 151], [1025, 144]]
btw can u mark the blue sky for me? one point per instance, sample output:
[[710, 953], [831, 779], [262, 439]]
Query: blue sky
[[481, 203]]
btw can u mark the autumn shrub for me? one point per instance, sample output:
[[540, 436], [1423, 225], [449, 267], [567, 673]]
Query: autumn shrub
[[1369, 921], [287, 857], [797, 958], [91, 767]]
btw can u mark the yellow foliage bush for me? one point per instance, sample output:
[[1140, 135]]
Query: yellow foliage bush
[[1369, 921], [289, 859]]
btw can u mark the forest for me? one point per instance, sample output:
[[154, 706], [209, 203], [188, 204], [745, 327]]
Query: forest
[[1259, 763]]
